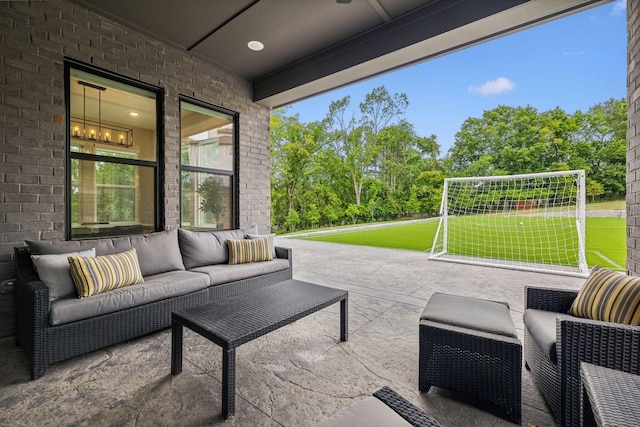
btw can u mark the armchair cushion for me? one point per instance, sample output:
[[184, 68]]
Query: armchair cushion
[[541, 324], [609, 296]]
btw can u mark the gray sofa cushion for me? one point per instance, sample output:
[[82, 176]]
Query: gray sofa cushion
[[224, 273], [200, 248], [158, 252], [154, 288], [102, 246], [472, 313], [55, 272], [541, 324], [365, 413]]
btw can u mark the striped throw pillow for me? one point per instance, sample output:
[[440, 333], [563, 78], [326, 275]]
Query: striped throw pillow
[[249, 250], [609, 296], [104, 273]]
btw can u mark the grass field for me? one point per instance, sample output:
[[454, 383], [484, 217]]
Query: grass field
[[605, 245]]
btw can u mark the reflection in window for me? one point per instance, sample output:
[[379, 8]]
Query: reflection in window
[[208, 160], [113, 140]]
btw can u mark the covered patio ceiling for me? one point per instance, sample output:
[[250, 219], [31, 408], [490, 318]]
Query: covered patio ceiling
[[314, 46]]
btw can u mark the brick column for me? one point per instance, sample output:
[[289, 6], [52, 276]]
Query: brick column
[[633, 138]]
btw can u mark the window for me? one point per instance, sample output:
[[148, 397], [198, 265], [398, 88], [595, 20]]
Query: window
[[113, 169], [208, 155]]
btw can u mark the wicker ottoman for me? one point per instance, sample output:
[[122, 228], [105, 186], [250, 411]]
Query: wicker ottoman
[[470, 345]]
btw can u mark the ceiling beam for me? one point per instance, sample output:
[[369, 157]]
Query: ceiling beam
[[323, 72], [430, 20]]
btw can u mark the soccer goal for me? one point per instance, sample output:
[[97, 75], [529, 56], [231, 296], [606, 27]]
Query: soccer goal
[[532, 222]]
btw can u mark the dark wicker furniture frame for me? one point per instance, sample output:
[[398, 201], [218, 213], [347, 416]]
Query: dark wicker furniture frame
[[233, 321], [610, 397], [611, 345], [45, 344], [480, 364], [412, 414]]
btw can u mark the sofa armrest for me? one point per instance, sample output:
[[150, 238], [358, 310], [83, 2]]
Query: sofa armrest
[[31, 303], [612, 345], [549, 299], [285, 253]]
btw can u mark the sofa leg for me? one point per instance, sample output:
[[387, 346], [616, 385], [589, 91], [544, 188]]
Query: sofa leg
[[526, 366]]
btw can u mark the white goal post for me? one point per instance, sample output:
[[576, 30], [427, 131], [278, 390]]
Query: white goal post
[[533, 222]]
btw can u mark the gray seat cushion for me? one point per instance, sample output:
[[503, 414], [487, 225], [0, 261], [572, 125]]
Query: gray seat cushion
[[223, 273], [154, 288], [366, 413], [541, 324], [472, 313]]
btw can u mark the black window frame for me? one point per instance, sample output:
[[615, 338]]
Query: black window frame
[[158, 165], [234, 175]]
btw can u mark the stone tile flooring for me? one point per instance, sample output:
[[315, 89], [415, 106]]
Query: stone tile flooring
[[295, 376]]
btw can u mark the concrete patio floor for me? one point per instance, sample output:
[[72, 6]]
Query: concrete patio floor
[[296, 376]]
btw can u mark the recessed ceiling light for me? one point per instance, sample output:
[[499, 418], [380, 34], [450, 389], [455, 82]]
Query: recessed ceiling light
[[255, 45], [133, 114]]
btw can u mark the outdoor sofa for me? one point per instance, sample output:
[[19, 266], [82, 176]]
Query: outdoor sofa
[[557, 342], [179, 269]]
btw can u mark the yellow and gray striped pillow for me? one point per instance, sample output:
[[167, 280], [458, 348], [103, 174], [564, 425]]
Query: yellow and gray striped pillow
[[609, 296], [250, 250], [95, 275]]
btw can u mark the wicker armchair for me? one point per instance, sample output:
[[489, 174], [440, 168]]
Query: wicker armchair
[[611, 345]]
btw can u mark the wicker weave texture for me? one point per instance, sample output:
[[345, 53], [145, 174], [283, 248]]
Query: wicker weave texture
[[412, 414], [232, 321], [613, 395], [579, 340], [480, 364], [45, 344]]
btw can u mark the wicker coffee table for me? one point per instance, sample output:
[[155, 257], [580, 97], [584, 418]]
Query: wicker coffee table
[[232, 321]]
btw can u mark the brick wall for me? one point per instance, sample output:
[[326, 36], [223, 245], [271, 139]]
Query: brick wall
[[633, 138], [34, 39]]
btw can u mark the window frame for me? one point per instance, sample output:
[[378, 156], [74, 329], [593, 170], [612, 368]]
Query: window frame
[[234, 174], [157, 165]]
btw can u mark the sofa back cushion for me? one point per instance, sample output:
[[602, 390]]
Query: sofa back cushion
[[609, 296], [102, 246], [54, 271], [96, 275], [158, 252], [200, 248]]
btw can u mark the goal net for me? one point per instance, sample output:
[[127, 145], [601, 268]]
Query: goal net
[[530, 222]]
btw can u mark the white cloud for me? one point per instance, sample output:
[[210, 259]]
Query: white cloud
[[573, 53], [493, 87], [620, 6]]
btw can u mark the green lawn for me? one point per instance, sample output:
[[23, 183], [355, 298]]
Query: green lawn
[[605, 243]]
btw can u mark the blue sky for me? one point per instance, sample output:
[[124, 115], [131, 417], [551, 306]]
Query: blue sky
[[571, 63]]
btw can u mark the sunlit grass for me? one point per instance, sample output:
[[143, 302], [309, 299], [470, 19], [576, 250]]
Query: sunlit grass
[[605, 243]]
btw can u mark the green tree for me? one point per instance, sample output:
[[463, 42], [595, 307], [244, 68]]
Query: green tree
[[594, 189], [293, 219], [312, 214], [293, 147], [356, 140], [413, 204], [352, 211]]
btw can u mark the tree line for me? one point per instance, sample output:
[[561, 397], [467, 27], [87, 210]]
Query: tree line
[[367, 163]]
